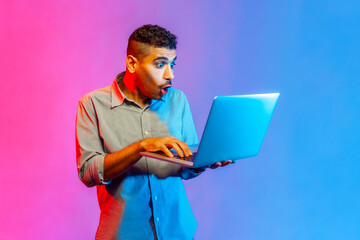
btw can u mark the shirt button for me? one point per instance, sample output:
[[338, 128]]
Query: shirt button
[[155, 197], [146, 132], [157, 219]]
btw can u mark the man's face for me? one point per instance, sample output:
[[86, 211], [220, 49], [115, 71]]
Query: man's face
[[154, 72]]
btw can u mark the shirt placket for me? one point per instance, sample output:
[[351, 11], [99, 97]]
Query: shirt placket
[[146, 122]]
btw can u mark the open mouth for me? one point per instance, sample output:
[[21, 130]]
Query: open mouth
[[164, 89]]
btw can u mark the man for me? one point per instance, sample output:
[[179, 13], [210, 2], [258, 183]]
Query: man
[[139, 197]]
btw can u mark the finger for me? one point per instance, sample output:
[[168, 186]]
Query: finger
[[184, 147], [167, 151], [173, 142], [224, 163], [170, 142], [215, 165], [177, 149]]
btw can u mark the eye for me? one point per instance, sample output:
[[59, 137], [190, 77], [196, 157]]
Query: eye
[[172, 65], [160, 64]]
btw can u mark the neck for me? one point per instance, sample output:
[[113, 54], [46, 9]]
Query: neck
[[128, 87]]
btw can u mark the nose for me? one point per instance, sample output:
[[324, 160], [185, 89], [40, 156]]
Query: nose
[[168, 73]]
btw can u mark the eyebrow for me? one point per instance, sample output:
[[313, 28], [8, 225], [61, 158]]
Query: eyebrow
[[164, 58]]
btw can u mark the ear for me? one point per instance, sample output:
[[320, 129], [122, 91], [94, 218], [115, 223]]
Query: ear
[[131, 63]]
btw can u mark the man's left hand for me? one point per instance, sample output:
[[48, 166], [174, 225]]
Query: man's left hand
[[220, 164]]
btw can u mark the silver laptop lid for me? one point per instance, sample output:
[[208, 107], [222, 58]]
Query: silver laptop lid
[[235, 127]]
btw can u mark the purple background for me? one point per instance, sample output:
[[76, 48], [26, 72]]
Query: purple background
[[303, 185]]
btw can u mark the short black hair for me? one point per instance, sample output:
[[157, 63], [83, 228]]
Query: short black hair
[[152, 35]]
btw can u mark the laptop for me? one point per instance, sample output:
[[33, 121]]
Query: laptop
[[235, 129]]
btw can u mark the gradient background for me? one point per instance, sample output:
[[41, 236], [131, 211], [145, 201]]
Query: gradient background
[[303, 185]]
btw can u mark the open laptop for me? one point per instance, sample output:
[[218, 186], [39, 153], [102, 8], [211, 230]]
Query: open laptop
[[235, 129]]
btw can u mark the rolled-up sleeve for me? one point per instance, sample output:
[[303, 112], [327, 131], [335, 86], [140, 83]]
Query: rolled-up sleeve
[[89, 148], [190, 137]]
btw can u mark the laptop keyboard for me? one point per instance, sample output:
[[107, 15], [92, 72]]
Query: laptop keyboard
[[189, 158]]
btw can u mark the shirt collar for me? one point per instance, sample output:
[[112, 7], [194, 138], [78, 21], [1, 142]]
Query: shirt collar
[[118, 97]]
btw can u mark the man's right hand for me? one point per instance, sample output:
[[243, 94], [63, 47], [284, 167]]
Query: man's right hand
[[119, 162], [164, 144]]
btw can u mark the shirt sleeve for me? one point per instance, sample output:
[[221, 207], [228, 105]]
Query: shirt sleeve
[[190, 137], [89, 148]]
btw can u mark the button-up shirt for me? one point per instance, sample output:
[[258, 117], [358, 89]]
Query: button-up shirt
[[148, 201]]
